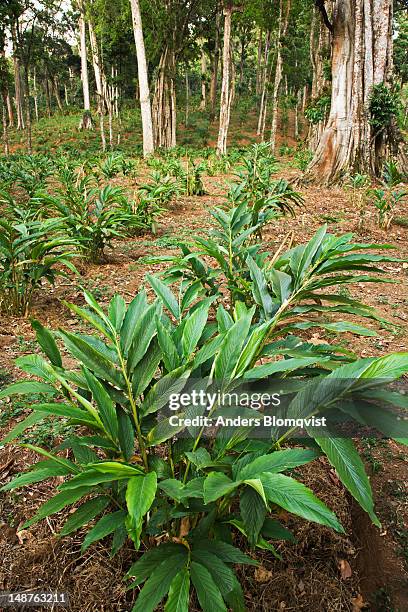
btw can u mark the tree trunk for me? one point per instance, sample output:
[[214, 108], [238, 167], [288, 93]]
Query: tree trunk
[[27, 108], [187, 99], [258, 86], [164, 102], [47, 96], [86, 122], [100, 79], [18, 95], [55, 85], [361, 58], [5, 132], [284, 8], [225, 103], [144, 92], [10, 111], [35, 94], [264, 80], [214, 67], [203, 102]]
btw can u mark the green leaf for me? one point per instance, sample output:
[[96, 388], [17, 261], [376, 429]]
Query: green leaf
[[144, 566], [31, 420], [160, 393], [35, 475], [140, 494], [231, 346], [159, 583], [89, 478], [223, 575], [84, 514], [259, 288], [165, 294], [194, 328], [207, 591], [146, 368], [126, 434], [132, 316], [279, 461], [273, 530], [117, 469], [59, 409], [117, 311], [283, 365], [344, 457], [179, 593], [105, 526], [173, 488], [105, 405], [142, 335], [225, 551], [389, 367], [46, 340], [57, 503], [27, 387], [253, 512], [294, 497], [91, 358], [170, 355], [217, 485]]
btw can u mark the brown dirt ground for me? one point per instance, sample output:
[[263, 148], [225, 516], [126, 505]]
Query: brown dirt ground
[[309, 578]]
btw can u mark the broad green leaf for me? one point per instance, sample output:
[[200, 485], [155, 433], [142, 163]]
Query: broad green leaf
[[134, 312], [173, 488], [146, 368], [259, 288], [344, 457], [84, 514], [194, 328], [36, 475], [283, 365], [57, 503], [31, 420], [116, 469], [225, 551], [105, 405], [105, 526], [294, 497], [140, 494], [117, 311], [165, 294], [59, 409], [46, 340], [231, 347], [217, 485], [389, 367], [158, 584], [90, 478], [272, 529], [126, 434], [279, 461], [253, 512], [144, 566], [27, 387], [179, 593], [142, 335], [207, 591], [170, 355], [160, 393], [91, 358]]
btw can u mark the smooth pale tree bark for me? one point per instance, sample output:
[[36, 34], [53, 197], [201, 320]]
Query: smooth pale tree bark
[[27, 108], [225, 103], [10, 111], [100, 78], [258, 85], [264, 77], [164, 101], [86, 122], [284, 9], [5, 131], [35, 94], [144, 92], [18, 94], [55, 85], [319, 43], [187, 110], [203, 101], [214, 66], [361, 58]]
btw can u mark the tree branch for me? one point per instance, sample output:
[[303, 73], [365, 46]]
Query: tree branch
[[321, 7]]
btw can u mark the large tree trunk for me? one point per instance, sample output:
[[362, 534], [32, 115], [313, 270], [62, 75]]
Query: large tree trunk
[[100, 79], [225, 105], [319, 43], [35, 94], [18, 94], [214, 66], [203, 101], [86, 122], [361, 58], [27, 108], [264, 77], [164, 101], [258, 85], [284, 8], [10, 110]]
